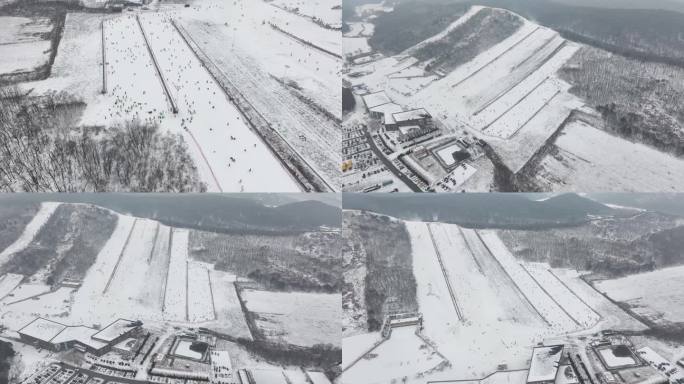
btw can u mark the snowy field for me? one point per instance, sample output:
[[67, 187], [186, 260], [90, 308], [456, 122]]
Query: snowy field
[[32, 228], [296, 376], [152, 295], [503, 88], [21, 48], [299, 318], [569, 301], [612, 317], [654, 295], [78, 64], [318, 377], [8, 282], [548, 308], [352, 46], [88, 306], [505, 310], [328, 11], [404, 354], [175, 303], [233, 154], [229, 155], [200, 295], [310, 133], [227, 304], [510, 324], [14, 29], [590, 159]]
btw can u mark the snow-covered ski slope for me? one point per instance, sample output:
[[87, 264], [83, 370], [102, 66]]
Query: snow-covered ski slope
[[142, 271], [501, 89], [151, 74], [503, 307]]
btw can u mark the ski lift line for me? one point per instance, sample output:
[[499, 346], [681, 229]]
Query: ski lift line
[[550, 296], [118, 261], [446, 275], [174, 108], [515, 284]]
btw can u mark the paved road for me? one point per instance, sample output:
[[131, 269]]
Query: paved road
[[389, 164]]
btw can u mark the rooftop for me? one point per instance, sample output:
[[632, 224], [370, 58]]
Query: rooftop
[[414, 114], [42, 329], [375, 99], [115, 329], [80, 333]]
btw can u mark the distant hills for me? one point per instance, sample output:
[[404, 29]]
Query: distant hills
[[487, 210], [211, 212]]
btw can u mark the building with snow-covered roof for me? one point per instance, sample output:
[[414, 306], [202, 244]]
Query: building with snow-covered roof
[[384, 112], [544, 364], [418, 116], [375, 99], [116, 331], [55, 336]]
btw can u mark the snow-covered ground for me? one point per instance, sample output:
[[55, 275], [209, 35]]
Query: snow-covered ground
[[311, 134], [506, 309], [455, 24], [32, 228], [511, 96], [229, 155], [547, 307], [77, 69], [352, 46], [318, 377], [299, 318], [200, 295], [590, 159], [569, 301], [404, 354], [227, 304], [328, 11], [612, 317], [175, 303], [8, 282], [498, 324], [21, 47], [654, 295]]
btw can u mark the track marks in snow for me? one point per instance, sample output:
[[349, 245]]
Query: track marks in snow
[[572, 305], [175, 298], [227, 151], [547, 307]]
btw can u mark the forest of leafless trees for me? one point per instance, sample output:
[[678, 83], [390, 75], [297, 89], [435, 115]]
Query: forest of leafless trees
[[482, 31], [304, 262], [639, 99], [389, 284], [42, 149]]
